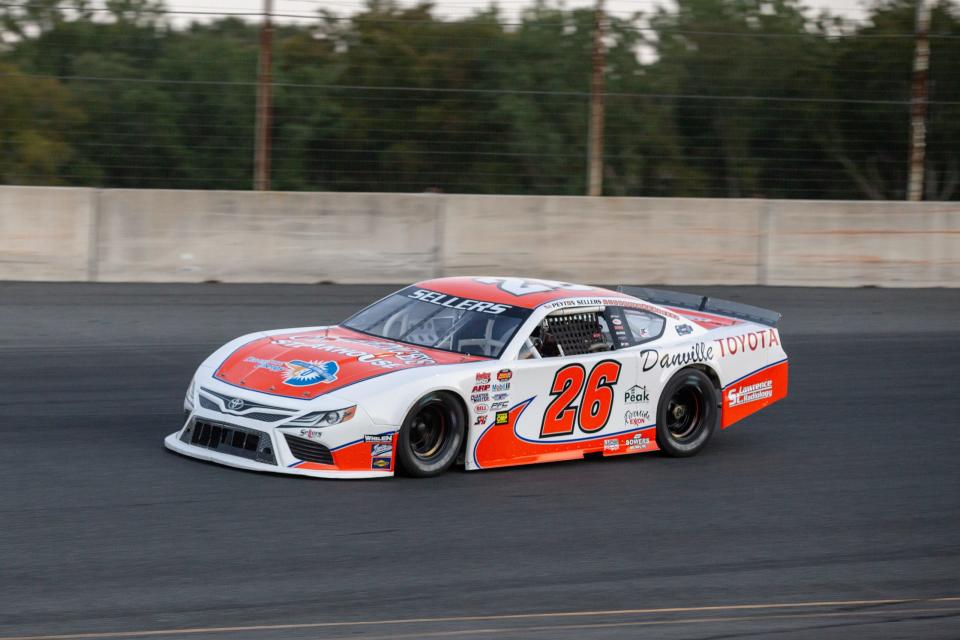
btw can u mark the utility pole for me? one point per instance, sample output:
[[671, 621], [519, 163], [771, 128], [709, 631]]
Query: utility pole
[[918, 103], [261, 153], [595, 132]]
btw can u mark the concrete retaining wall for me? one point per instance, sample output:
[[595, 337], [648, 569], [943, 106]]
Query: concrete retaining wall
[[49, 233]]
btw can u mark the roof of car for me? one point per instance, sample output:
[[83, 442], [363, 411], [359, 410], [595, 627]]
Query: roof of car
[[527, 293]]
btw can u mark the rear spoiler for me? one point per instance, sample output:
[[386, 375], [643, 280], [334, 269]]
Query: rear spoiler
[[704, 303]]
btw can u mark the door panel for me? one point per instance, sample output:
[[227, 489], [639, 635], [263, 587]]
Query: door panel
[[574, 398]]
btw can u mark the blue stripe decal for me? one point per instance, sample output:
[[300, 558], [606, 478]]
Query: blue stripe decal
[[757, 371], [297, 463], [600, 437]]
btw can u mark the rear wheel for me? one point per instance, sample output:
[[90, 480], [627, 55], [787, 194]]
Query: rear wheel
[[688, 413], [431, 436]]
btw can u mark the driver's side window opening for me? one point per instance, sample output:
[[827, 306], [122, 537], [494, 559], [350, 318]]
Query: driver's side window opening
[[569, 333]]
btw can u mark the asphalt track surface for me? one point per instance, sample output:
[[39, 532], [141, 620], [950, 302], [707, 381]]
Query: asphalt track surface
[[834, 514]]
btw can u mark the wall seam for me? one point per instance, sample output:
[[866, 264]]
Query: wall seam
[[93, 241], [763, 242], [439, 227]]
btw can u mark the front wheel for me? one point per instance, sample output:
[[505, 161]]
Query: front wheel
[[431, 436], [688, 413]]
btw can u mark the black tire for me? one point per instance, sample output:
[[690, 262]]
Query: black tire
[[431, 436], [687, 414]]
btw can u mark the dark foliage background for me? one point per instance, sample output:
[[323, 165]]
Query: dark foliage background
[[721, 98]]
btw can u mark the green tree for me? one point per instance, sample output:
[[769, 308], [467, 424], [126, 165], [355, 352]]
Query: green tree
[[36, 117]]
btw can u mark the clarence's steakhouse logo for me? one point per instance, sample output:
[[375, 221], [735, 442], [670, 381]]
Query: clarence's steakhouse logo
[[750, 393]]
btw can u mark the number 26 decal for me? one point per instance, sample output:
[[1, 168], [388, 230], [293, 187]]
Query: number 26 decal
[[592, 413]]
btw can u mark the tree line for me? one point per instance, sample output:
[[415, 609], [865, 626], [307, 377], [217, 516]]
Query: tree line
[[716, 98]]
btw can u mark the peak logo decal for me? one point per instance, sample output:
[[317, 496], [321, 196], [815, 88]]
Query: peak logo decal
[[301, 373]]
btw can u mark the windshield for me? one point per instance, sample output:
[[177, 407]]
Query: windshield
[[441, 321]]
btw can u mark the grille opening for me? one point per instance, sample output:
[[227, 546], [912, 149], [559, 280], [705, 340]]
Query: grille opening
[[308, 450], [237, 441]]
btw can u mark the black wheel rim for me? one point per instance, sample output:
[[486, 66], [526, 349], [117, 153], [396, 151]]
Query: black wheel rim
[[685, 413], [428, 432]]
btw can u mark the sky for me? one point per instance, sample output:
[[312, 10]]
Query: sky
[[852, 9]]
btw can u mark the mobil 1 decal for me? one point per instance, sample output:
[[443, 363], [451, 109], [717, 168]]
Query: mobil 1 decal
[[580, 399]]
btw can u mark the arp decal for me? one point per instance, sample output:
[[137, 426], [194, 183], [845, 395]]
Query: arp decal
[[593, 411]]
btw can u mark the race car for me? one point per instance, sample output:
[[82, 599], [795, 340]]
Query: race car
[[486, 371]]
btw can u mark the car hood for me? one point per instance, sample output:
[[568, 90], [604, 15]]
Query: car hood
[[308, 364]]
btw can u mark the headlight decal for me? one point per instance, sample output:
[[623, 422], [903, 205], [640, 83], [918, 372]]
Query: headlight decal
[[188, 399], [325, 418]]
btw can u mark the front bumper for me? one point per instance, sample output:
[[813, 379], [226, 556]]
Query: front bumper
[[351, 450]]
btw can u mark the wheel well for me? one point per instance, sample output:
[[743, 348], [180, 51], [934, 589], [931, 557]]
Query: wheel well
[[458, 399], [714, 378]]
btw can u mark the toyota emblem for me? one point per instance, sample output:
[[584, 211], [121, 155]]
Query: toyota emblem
[[235, 404]]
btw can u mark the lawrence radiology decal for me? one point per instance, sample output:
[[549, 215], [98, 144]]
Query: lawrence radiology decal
[[750, 393]]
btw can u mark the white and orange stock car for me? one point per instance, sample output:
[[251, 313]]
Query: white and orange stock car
[[491, 371]]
